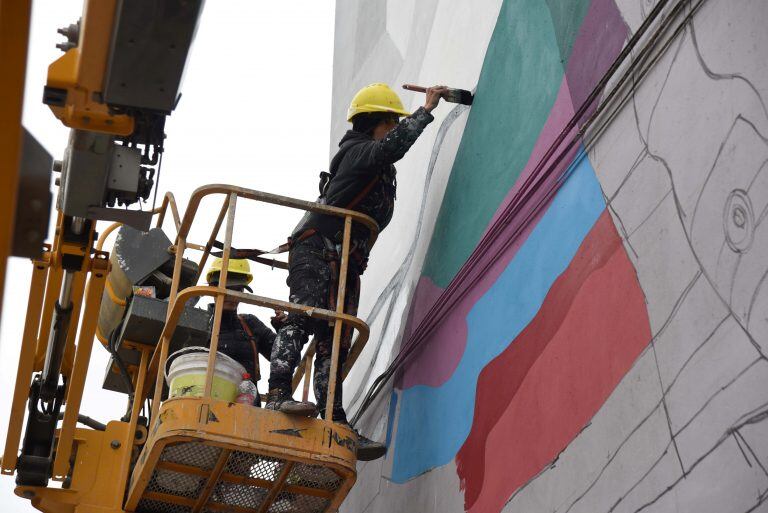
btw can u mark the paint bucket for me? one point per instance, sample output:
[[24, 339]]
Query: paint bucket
[[186, 374]]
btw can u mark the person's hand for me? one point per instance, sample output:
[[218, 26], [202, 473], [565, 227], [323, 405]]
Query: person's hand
[[278, 319], [433, 97]]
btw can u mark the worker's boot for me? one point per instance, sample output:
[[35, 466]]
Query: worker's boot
[[282, 401], [367, 449]]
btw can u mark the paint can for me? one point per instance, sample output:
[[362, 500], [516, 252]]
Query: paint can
[[186, 374]]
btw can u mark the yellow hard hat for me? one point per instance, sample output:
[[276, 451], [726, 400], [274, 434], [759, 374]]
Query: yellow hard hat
[[238, 270], [376, 98]]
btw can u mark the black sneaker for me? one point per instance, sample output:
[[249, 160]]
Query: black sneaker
[[367, 449], [279, 401]]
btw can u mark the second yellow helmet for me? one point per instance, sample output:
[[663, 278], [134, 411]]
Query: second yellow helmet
[[376, 98], [238, 270]]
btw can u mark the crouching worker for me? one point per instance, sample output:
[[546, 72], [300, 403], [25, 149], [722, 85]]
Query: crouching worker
[[362, 178], [241, 336]]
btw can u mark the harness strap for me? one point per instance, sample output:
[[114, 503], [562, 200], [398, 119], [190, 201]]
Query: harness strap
[[254, 254], [311, 231], [362, 194], [251, 254], [305, 235], [254, 347]]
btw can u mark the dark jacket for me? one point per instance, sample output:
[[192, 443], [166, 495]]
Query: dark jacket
[[234, 341], [363, 163]]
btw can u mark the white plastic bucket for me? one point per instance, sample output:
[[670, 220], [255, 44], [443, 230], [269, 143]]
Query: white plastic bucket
[[186, 375]]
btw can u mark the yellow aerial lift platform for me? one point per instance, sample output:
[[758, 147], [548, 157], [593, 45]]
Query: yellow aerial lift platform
[[200, 453], [177, 454]]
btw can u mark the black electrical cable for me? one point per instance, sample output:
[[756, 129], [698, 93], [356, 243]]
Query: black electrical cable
[[593, 136], [112, 348], [88, 421], [399, 361], [530, 186]]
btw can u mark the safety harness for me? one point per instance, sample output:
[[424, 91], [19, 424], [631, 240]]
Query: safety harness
[[332, 250]]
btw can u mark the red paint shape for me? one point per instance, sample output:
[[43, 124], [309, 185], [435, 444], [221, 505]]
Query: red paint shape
[[536, 396]]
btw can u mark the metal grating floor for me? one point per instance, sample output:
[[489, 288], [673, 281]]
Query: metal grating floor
[[186, 479]]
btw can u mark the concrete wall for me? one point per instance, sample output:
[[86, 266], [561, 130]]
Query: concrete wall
[[589, 325]]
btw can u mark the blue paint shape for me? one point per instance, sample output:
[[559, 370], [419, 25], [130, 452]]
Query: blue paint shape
[[435, 421], [391, 416]]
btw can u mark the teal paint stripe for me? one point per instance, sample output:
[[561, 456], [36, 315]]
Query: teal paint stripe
[[518, 85]]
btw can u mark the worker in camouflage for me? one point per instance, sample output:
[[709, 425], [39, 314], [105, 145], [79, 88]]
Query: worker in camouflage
[[361, 177], [242, 336], [312, 277]]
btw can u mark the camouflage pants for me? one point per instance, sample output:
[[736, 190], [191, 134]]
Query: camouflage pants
[[313, 282]]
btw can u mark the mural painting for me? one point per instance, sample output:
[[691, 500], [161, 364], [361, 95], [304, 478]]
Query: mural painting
[[585, 325]]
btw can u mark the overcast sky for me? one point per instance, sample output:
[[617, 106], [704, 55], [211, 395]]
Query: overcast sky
[[255, 112]]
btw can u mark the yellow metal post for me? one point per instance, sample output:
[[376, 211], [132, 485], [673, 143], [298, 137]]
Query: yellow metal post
[[135, 411], [212, 238], [139, 391], [76, 384], [214, 345], [26, 364], [337, 328], [165, 337], [14, 35]]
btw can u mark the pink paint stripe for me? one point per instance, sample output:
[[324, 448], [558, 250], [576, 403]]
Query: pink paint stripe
[[562, 112], [441, 352]]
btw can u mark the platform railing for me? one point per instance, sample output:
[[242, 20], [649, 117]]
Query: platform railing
[[178, 298], [169, 202]]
